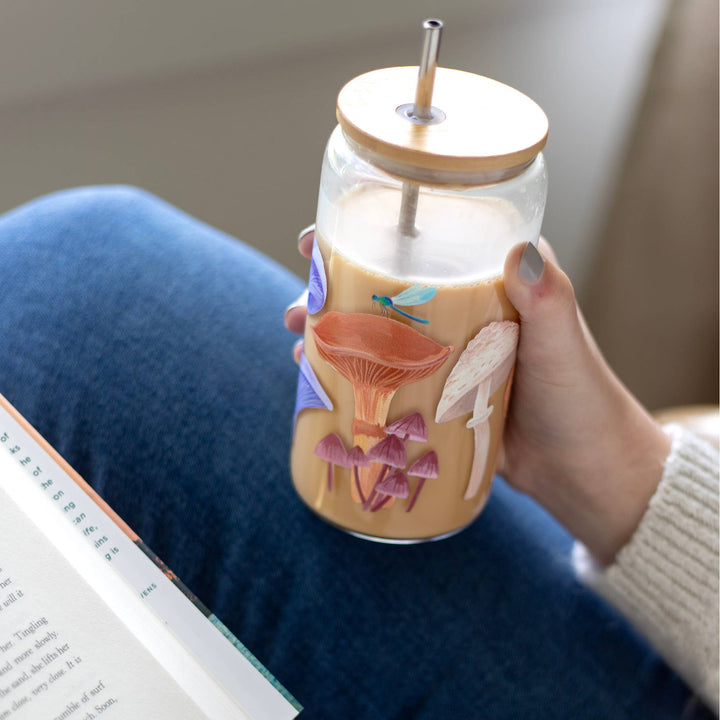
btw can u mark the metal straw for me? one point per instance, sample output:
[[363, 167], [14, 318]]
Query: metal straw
[[428, 65], [421, 113]]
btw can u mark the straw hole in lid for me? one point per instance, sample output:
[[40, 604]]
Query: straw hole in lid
[[407, 112]]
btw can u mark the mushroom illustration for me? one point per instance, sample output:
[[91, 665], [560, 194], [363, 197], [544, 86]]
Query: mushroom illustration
[[377, 355], [395, 485], [331, 449], [411, 427], [423, 468], [310, 393], [357, 458], [317, 284], [391, 453], [480, 370]]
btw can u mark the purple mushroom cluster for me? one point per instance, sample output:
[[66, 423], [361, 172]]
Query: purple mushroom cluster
[[390, 454]]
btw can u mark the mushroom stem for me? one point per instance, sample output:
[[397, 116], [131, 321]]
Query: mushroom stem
[[373, 492], [357, 484], [371, 410], [381, 501], [481, 430], [372, 404], [414, 498], [330, 476]]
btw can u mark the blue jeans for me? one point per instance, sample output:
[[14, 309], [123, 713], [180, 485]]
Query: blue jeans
[[149, 349]]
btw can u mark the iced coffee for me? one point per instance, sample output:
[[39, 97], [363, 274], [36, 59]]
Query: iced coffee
[[416, 388]]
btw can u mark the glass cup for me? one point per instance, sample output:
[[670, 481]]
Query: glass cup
[[410, 340]]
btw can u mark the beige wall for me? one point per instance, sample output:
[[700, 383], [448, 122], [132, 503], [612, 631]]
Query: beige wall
[[652, 300], [223, 108]]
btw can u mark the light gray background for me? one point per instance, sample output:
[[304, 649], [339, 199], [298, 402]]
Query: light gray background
[[223, 108]]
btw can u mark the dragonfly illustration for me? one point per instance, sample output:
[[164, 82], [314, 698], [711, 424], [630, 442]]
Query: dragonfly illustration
[[414, 295]]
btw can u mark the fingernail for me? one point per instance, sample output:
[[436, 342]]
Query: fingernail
[[306, 231], [531, 265], [300, 302]]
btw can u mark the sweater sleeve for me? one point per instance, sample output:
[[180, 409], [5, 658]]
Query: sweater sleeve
[[665, 580]]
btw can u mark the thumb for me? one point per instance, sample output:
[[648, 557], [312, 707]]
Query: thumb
[[545, 300]]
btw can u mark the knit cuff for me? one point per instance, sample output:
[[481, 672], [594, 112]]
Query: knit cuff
[[665, 580]]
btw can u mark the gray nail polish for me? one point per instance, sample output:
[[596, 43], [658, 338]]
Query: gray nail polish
[[531, 265]]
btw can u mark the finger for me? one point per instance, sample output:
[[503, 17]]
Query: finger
[[297, 350], [296, 313], [538, 289], [543, 296], [305, 240], [559, 284]]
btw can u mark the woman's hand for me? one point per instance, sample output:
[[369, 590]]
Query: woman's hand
[[575, 439]]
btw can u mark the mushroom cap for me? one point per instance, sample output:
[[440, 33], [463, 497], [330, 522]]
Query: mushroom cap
[[317, 284], [390, 451], [376, 351], [331, 448], [357, 456], [412, 427], [395, 484], [310, 393], [426, 466], [491, 349]]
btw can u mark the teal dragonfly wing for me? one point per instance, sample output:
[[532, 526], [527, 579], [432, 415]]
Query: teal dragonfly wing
[[414, 295]]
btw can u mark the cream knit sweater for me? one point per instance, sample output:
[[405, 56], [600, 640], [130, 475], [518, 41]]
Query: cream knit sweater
[[665, 580]]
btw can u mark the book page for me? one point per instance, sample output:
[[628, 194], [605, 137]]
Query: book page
[[107, 564], [63, 653]]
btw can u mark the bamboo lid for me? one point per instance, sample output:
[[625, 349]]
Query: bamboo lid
[[482, 124]]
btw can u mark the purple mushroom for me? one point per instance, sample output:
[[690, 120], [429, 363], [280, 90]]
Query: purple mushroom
[[331, 448], [423, 468], [394, 485], [411, 427], [356, 459], [390, 451], [317, 284], [310, 393]]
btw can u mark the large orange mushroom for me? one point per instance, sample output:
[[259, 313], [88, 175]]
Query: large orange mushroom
[[377, 355]]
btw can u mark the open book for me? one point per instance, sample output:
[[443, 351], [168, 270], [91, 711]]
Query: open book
[[92, 624]]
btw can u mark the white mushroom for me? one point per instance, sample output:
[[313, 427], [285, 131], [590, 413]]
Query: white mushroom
[[480, 370]]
